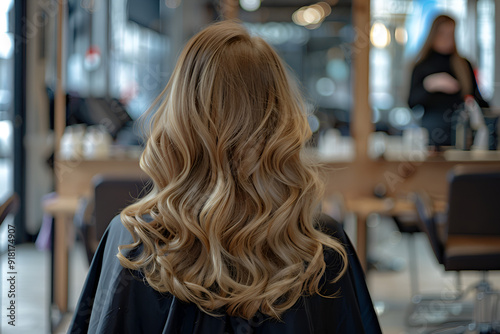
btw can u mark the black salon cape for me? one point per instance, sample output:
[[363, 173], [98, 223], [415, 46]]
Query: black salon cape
[[116, 300]]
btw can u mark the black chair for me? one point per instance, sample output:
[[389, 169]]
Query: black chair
[[408, 225], [469, 239], [110, 195]]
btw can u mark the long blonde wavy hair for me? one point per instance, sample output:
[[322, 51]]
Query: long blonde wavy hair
[[233, 205]]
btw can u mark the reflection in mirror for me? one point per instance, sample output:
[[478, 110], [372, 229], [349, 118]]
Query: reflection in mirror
[[406, 108]]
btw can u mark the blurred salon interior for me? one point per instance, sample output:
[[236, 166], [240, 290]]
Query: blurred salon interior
[[403, 103]]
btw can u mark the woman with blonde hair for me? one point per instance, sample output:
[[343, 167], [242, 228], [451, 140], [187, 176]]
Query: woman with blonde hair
[[227, 240]]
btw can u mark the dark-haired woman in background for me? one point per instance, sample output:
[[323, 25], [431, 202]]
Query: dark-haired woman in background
[[441, 81]]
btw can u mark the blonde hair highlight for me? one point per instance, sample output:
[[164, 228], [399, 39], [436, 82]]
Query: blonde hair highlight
[[233, 202]]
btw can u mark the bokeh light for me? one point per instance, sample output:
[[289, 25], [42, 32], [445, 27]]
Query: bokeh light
[[325, 86], [380, 35], [401, 35], [250, 5]]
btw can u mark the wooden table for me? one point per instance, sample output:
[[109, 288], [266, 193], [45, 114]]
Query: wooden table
[[62, 209], [363, 207]]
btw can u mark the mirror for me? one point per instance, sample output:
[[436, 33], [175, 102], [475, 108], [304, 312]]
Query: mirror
[[398, 33]]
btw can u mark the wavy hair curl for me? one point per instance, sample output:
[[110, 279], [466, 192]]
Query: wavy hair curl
[[233, 201]]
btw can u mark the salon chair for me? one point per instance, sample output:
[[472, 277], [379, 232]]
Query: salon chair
[[110, 195], [469, 238]]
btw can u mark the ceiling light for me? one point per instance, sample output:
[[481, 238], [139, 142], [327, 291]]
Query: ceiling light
[[380, 35], [312, 15], [401, 35], [250, 5], [327, 9], [298, 17]]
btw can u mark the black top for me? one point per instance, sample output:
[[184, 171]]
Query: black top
[[438, 107], [117, 300]]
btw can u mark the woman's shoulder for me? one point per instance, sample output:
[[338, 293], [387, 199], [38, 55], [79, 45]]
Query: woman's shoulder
[[331, 227], [117, 229], [117, 234], [334, 230]]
